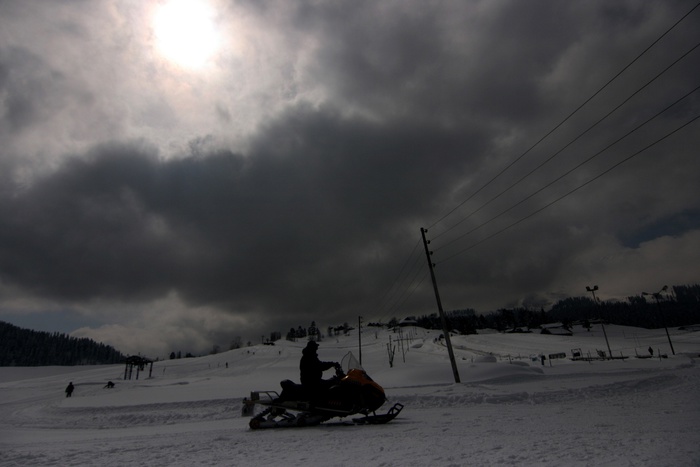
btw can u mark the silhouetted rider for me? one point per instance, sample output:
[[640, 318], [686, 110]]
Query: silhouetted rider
[[311, 369]]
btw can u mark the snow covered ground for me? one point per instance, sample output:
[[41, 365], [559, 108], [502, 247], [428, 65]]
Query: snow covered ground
[[508, 409]]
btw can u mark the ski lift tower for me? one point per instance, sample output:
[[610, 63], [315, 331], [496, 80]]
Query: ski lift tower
[[138, 362]]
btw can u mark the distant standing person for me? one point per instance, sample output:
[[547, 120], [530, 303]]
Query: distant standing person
[[69, 389]]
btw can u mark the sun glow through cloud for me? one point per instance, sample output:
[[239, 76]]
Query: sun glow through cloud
[[186, 33]]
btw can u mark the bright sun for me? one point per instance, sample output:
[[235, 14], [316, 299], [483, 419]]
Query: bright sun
[[185, 32]]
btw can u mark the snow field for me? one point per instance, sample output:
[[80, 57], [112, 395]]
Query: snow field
[[507, 409]]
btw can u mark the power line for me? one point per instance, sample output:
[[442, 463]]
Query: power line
[[581, 164], [398, 289], [393, 287], [409, 291], [513, 224], [410, 288], [557, 153], [565, 119]]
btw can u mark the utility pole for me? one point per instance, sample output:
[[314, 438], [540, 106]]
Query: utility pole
[[359, 335], [446, 331]]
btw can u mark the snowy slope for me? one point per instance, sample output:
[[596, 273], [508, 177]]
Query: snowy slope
[[507, 410]]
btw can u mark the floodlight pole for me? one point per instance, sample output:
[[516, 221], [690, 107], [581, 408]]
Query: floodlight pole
[[445, 330], [359, 336], [656, 296], [602, 324]]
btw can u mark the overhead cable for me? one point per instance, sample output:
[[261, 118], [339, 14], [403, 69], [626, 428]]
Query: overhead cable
[[513, 224], [566, 118], [599, 121]]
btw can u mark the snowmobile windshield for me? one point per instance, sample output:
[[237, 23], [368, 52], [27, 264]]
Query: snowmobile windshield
[[349, 362]]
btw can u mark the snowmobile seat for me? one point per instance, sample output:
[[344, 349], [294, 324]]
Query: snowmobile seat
[[292, 391], [288, 384]]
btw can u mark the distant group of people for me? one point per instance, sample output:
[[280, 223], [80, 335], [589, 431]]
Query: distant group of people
[[70, 388]]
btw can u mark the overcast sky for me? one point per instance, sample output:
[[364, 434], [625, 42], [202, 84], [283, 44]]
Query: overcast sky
[[173, 176]]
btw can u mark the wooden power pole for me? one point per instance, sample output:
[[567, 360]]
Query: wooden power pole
[[445, 330]]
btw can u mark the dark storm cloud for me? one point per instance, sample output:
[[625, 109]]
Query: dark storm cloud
[[354, 124], [445, 61], [65, 235], [285, 225]]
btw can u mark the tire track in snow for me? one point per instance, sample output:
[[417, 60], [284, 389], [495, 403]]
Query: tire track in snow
[[470, 395]]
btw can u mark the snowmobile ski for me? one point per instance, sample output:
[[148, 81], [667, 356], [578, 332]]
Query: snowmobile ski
[[277, 417], [379, 419]]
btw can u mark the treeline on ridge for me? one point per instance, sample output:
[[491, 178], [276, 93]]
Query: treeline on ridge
[[679, 307], [25, 347]]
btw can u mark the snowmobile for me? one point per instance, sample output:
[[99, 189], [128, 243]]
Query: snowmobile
[[349, 392]]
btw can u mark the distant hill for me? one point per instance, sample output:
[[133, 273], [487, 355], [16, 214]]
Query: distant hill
[[25, 347]]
